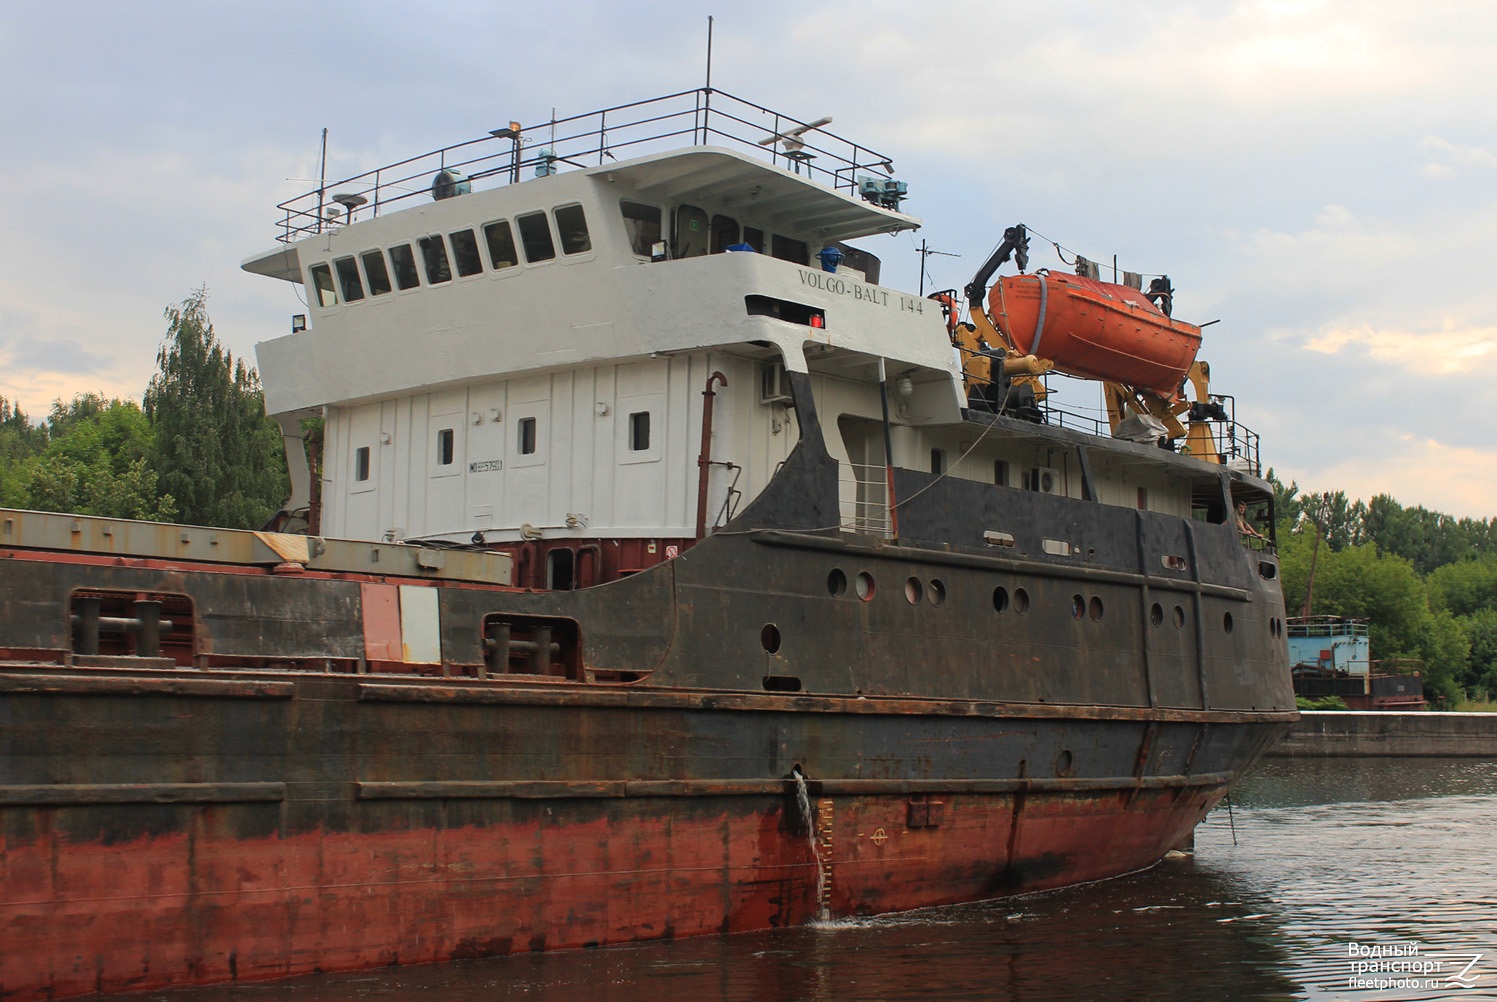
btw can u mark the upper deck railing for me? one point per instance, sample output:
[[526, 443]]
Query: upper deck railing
[[698, 117]]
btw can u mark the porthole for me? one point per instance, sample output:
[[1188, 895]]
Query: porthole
[[1179, 617], [836, 582], [1065, 763], [1156, 615], [1021, 601], [1227, 622], [1000, 599], [863, 585], [769, 638], [936, 592], [1094, 609], [1078, 607], [912, 591]]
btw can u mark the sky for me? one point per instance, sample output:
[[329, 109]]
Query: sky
[[1318, 177]]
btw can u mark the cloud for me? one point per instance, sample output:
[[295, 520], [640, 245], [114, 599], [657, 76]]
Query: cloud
[[1415, 470], [1451, 156], [1442, 352]]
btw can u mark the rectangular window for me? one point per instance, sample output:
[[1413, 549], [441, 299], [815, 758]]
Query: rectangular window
[[794, 251], [639, 431], [571, 223], [527, 436], [361, 464], [693, 235], [322, 281], [642, 223], [535, 237], [404, 262], [465, 252], [1000, 472], [1143, 499], [724, 233], [434, 253], [501, 245], [348, 280], [937, 461], [754, 237], [374, 270], [445, 441]]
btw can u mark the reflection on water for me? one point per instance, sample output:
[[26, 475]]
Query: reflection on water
[[1395, 854]]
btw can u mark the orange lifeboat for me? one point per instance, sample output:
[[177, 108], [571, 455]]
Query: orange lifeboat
[[1095, 329]]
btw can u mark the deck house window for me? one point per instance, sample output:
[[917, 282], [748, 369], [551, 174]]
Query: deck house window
[[754, 237], [374, 270], [322, 281], [535, 237], [527, 436], [465, 253], [501, 241], [571, 224], [434, 253], [348, 280], [404, 262], [445, 439], [938, 461], [642, 224], [1000, 472], [639, 431], [361, 464]]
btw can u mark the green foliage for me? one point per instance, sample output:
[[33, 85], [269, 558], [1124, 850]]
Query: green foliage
[[215, 451], [95, 464], [1480, 628], [1323, 703], [1464, 587]]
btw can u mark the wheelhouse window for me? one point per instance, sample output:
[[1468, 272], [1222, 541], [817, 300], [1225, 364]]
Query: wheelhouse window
[[348, 280], [361, 464], [535, 237], [754, 237], [691, 232], [642, 224], [639, 431], [571, 225], [322, 282], [526, 443], [795, 251], [374, 270], [445, 441], [465, 253], [403, 260], [501, 241], [724, 233], [434, 253]]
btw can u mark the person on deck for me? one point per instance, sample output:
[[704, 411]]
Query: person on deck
[[1243, 525]]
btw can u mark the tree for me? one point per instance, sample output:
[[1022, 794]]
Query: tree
[[95, 464], [1480, 628], [214, 449], [1465, 587]]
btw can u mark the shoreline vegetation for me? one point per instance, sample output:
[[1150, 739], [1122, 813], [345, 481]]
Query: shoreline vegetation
[[199, 449]]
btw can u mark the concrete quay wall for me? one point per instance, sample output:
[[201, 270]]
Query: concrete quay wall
[[1353, 734]]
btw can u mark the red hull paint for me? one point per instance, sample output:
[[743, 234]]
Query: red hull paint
[[1096, 330], [203, 906]]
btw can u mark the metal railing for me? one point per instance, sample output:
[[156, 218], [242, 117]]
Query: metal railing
[[689, 118], [868, 511]]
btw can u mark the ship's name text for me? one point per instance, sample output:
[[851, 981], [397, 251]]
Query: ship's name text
[[857, 291]]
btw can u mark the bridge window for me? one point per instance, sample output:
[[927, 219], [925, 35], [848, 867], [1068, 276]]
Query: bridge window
[[535, 237], [374, 270], [465, 252], [642, 224], [724, 233], [322, 281], [691, 232], [501, 241], [348, 280], [404, 262], [571, 224], [795, 251], [754, 237], [434, 253]]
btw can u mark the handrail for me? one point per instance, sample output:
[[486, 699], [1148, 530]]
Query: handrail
[[706, 115]]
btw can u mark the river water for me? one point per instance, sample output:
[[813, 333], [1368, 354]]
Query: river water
[[1327, 879]]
